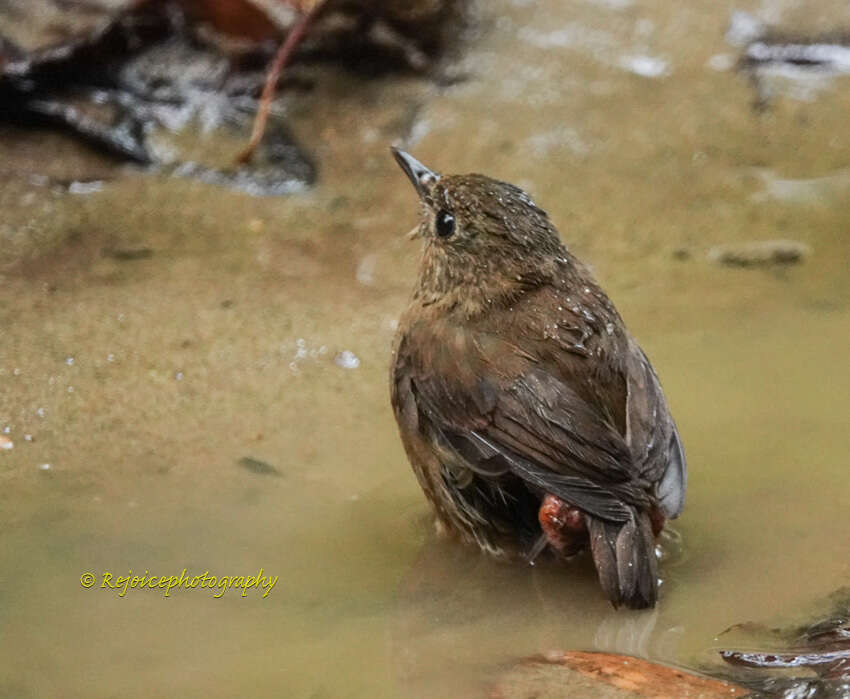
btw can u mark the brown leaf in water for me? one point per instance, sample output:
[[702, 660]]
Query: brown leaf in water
[[254, 20], [578, 673]]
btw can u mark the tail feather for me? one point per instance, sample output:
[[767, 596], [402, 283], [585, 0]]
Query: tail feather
[[624, 554]]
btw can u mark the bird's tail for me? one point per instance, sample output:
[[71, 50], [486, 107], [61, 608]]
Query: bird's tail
[[624, 554]]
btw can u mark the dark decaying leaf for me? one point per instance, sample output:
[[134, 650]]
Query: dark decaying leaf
[[261, 468], [116, 73], [822, 647]]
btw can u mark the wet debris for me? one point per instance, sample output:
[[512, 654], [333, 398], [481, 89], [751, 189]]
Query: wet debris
[[127, 253], [308, 13], [174, 84], [169, 104], [34, 33], [780, 62], [258, 180], [577, 673], [400, 27], [790, 656], [261, 468], [826, 54], [46, 44], [762, 253]]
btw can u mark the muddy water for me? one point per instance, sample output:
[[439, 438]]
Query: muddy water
[[132, 388]]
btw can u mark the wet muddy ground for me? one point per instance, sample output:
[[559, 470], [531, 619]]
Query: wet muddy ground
[[156, 330]]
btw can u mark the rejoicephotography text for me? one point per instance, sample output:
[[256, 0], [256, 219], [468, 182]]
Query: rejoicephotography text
[[167, 583]]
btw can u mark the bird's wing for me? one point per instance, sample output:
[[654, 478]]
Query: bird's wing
[[540, 430], [652, 435], [493, 406]]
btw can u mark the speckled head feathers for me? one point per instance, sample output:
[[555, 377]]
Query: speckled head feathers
[[482, 236]]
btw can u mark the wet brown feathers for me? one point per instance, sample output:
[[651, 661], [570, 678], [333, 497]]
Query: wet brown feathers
[[513, 376]]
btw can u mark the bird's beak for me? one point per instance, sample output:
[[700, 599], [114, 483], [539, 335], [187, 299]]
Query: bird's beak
[[421, 177]]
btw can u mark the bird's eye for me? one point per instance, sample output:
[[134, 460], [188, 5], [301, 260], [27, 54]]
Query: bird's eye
[[445, 224]]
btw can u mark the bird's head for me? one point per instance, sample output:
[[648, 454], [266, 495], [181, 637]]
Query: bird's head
[[484, 239]]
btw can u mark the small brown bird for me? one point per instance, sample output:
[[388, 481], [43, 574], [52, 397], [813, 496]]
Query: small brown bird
[[531, 417]]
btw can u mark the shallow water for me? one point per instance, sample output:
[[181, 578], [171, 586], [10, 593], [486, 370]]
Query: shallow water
[[143, 382]]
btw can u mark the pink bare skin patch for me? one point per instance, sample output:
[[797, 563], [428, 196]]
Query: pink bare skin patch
[[563, 525]]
